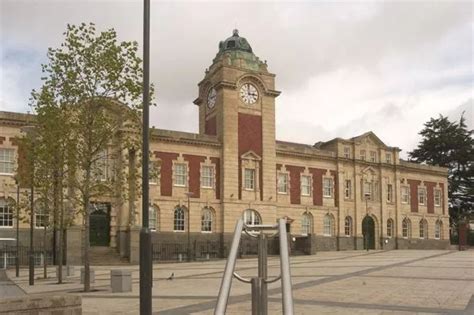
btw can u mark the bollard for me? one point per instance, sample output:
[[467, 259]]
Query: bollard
[[255, 283]]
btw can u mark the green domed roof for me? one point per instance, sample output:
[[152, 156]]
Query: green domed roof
[[235, 42]]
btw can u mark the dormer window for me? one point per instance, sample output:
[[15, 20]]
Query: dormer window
[[373, 156], [347, 152]]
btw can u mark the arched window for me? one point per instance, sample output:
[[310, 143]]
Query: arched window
[[41, 214], [423, 228], [6, 213], [251, 217], [438, 229], [389, 228], [328, 223], [348, 226], [406, 228], [306, 224], [153, 218], [179, 219], [206, 220]]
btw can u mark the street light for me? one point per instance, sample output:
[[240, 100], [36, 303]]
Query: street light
[[189, 194], [17, 260], [30, 130], [145, 235], [366, 225]]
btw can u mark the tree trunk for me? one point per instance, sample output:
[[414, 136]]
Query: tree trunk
[[61, 235], [45, 260]]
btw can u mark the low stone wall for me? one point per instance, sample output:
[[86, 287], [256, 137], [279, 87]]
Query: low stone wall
[[42, 304]]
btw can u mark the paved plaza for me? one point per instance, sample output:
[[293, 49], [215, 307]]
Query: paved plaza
[[350, 282]]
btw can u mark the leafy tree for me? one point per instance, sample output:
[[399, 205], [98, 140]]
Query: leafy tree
[[88, 80], [450, 144]]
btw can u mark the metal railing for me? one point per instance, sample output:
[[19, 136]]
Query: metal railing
[[9, 254], [260, 282]]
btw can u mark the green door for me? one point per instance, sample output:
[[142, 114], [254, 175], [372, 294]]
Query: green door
[[368, 230], [100, 224]]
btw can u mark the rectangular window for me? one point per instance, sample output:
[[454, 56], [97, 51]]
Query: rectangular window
[[100, 168], [405, 194], [41, 218], [388, 158], [437, 197], [327, 187], [421, 196], [282, 183], [305, 185], [7, 161], [6, 214], [348, 189], [347, 152], [362, 155], [367, 190], [373, 156], [249, 181], [207, 176], [180, 174], [389, 193]]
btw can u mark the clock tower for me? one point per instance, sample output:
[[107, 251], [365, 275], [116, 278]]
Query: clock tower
[[237, 105]]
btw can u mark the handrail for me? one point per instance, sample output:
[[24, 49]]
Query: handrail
[[286, 291], [229, 270], [259, 283]]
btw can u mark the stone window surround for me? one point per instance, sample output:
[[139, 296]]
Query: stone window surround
[[325, 178], [310, 176], [423, 227], [362, 154], [283, 171], [388, 157], [390, 227], [185, 215], [328, 223], [407, 189], [436, 190], [251, 160], [422, 188], [212, 219], [5, 205], [348, 189], [347, 152], [348, 226], [5, 161], [373, 156], [180, 160], [406, 226], [208, 163], [307, 223], [390, 192], [156, 163]]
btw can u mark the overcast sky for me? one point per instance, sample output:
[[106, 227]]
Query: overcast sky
[[343, 67]]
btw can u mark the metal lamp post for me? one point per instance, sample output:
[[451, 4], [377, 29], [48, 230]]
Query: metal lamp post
[[366, 233], [189, 194], [17, 260], [145, 235]]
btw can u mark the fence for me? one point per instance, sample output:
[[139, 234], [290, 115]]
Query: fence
[[198, 250], [8, 255]]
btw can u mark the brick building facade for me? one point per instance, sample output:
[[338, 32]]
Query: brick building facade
[[332, 193]]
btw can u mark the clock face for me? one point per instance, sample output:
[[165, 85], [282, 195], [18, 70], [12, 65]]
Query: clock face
[[211, 98], [248, 94]]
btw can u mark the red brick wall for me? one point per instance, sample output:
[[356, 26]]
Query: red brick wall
[[194, 169], [250, 138], [217, 163], [430, 196], [317, 185], [295, 183], [166, 174], [414, 194], [210, 127], [441, 185]]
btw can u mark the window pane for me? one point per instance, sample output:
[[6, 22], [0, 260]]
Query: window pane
[[327, 187], [6, 214], [207, 177], [7, 161], [249, 182], [283, 183], [206, 220], [179, 219], [180, 175], [306, 185], [348, 189]]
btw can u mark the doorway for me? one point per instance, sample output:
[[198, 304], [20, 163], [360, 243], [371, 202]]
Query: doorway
[[368, 230], [99, 231]]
